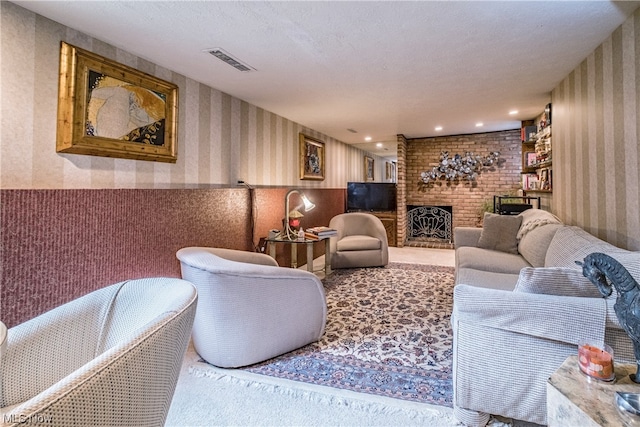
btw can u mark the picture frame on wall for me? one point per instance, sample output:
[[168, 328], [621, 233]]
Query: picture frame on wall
[[312, 154], [390, 171], [368, 168], [109, 109]]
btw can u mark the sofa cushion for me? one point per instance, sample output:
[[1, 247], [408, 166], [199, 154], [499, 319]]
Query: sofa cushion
[[488, 260], [534, 244], [486, 279], [499, 232], [359, 243], [560, 281], [571, 244]]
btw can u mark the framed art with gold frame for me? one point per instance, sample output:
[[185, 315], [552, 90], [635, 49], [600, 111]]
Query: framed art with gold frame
[[109, 109], [368, 168], [311, 158]]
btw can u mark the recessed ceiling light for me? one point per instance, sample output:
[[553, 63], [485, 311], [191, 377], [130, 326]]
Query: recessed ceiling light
[[438, 128], [479, 124], [379, 145], [513, 112], [367, 138]]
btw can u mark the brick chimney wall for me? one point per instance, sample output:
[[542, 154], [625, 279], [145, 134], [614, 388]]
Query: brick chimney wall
[[466, 198]]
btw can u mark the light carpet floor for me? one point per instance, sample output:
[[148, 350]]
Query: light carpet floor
[[222, 397]]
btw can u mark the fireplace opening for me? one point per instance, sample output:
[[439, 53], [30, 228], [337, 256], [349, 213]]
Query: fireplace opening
[[429, 226]]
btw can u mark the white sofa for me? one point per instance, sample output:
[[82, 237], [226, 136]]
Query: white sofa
[[109, 358], [518, 315]]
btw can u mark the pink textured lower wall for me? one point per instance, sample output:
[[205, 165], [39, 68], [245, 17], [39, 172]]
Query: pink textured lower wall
[[57, 245], [269, 213], [60, 244]]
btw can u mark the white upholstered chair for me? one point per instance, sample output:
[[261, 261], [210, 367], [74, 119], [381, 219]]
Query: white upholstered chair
[[3, 339], [249, 308], [361, 241], [109, 358]]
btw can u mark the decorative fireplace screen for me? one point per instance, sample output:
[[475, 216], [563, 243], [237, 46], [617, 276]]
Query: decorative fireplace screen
[[429, 222]]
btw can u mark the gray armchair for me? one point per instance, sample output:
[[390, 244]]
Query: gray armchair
[[361, 241], [249, 308], [109, 358]]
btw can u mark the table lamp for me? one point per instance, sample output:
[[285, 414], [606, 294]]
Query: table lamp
[[289, 233]]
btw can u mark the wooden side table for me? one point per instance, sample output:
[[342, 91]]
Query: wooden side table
[[575, 399]]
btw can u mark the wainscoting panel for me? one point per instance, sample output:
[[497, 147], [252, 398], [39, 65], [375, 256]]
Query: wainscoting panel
[[269, 214], [57, 245]]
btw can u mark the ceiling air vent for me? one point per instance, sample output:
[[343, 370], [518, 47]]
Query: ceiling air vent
[[227, 58]]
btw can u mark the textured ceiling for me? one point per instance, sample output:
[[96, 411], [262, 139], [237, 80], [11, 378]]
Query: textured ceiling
[[380, 68]]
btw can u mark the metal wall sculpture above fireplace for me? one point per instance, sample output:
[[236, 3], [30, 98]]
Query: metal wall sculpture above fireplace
[[432, 223]]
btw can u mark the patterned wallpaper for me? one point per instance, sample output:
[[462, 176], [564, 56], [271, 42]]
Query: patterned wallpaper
[[596, 140], [221, 139]]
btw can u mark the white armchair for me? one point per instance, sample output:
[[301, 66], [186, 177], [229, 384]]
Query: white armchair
[[250, 309], [361, 241], [109, 358]]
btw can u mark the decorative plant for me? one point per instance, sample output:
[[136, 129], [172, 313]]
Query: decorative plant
[[459, 167]]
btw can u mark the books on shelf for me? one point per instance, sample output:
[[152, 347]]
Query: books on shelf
[[321, 231], [530, 181]]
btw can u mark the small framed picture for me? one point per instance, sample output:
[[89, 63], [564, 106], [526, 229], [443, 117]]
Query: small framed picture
[[368, 168], [311, 158]]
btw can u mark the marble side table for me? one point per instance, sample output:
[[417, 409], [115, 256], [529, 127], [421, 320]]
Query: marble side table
[[575, 399]]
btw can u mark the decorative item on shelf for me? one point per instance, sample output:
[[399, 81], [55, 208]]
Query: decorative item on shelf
[[596, 362], [467, 167], [606, 272], [289, 232], [545, 120]]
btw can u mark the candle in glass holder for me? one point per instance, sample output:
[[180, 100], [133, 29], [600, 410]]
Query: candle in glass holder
[[596, 362]]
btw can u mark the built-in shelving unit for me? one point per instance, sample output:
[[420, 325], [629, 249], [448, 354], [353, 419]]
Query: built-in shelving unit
[[537, 171]]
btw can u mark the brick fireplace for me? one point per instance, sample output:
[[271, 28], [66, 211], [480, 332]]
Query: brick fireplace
[[465, 198]]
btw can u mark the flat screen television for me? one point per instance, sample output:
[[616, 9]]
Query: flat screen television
[[371, 196]]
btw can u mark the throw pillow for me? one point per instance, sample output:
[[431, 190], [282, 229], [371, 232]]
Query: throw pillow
[[499, 232], [561, 281]]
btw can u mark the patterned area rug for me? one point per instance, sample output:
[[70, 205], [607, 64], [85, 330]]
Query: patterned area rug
[[388, 333]]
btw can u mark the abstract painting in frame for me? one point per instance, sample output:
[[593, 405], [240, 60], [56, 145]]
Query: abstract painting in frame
[[368, 168], [311, 158], [109, 109]]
